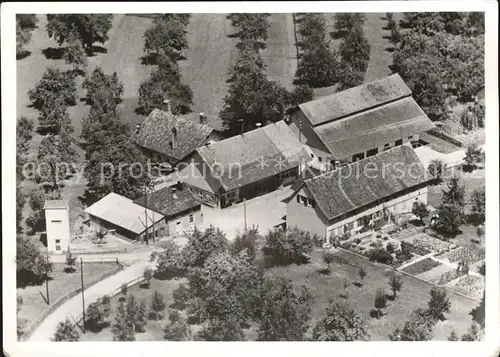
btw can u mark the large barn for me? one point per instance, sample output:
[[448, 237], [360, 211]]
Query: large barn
[[337, 202], [360, 122]]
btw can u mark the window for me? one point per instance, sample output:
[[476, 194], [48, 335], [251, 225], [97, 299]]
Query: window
[[56, 221], [372, 152], [399, 142], [359, 222], [312, 156], [191, 218], [320, 159], [58, 244], [312, 203], [156, 234], [298, 198], [410, 137], [304, 200], [178, 223]]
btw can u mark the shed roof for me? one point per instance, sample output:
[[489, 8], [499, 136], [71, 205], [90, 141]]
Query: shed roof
[[123, 212], [156, 133], [55, 204], [373, 128], [255, 155], [366, 181], [356, 99]]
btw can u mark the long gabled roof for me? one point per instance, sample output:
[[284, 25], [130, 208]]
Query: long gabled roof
[[123, 212], [354, 100], [155, 133], [374, 128], [254, 156], [366, 181]]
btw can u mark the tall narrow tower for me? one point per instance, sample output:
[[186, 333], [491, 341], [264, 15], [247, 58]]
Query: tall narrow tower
[[57, 225]]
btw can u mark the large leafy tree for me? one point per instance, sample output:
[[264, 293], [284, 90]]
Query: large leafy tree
[[222, 329], [354, 53], [170, 261], [341, 323], [251, 97], [450, 218], [32, 265], [55, 86], [346, 22], [252, 28], [103, 92], [167, 35], [478, 313], [438, 304], [74, 53], [478, 200], [182, 18], [454, 194], [66, 331], [56, 157], [23, 36], [417, 328], [165, 83], [291, 246], [202, 244], [88, 28], [123, 327], [283, 315]]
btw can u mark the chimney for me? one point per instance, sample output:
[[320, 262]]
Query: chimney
[[137, 127], [167, 106], [174, 138], [174, 192], [203, 118], [180, 185]]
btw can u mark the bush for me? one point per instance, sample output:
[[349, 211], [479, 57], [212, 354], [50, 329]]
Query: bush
[[380, 255], [181, 295], [390, 248]]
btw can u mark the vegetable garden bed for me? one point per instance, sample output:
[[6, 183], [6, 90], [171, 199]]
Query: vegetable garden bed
[[470, 254], [472, 286], [427, 243], [447, 277], [421, 266]]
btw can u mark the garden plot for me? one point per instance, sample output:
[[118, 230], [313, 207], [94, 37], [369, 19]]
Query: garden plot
[[471, 255], [436, 272], [421, 266], [446, 277], [428, 243], [472, 286]]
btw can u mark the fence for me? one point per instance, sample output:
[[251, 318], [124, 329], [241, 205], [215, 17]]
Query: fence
[[104, 249], [62, 299]]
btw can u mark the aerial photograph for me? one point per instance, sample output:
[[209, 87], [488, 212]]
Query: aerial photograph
[[250, 176]]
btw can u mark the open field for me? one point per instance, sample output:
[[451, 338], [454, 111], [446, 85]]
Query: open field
[[33, 297]]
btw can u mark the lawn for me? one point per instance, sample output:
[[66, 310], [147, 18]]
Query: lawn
[[33, 297], [421, 266], [413, 295]]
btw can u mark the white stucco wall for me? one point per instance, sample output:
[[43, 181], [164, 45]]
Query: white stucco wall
[[306, 218], [57, 224]]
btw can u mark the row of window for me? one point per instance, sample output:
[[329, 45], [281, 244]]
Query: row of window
[[306, 201]]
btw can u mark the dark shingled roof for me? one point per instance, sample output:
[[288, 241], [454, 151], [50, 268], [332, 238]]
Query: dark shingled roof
[[166, 204], [155, 133], [373, 128], [255, 155], [366, 181], [355, 99]]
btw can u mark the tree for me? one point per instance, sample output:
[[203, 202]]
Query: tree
[[222, 329], [396, 283], [438, 303], [182, 18], [473, 334], [169, 262], [123, 328], [450, 219], [124, 289], [202, 244], [56, 156], [420, 210], [75, 54], [103, 91], [478, 201], [177, 330], [20, 202], [317, 67], [32, 265], [349, 77], [436, 168], [245, 242], [328, 258], [455, 195], [93, 316], [167, 35], [380, 302], [54, 119], [23, 36], [140, 317], [70, 261], [417, 328], [283, 315], [37, 197], [165, 83], [453, 336], [311, 30], [55, 86], [341, 323], [355, 50], [291, 246], [157, 303], [478, 313], [181, 295], [148, 275], [362, 274], [66, 331], [88, 28], [473, 155], [27, 21], [24, 133], [346, 22], [252, 28]]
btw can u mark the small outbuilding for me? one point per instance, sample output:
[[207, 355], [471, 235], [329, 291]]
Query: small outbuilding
[[57, 225]]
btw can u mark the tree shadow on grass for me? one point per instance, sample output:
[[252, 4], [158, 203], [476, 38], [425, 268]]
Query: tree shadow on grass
[[390, 49], [324, 271], [376, 314], [149, 60], [386, 37], [22, 55], [177, 305], [337, 35], [97, 49], [96, 328], [53, 53], [144, 285]]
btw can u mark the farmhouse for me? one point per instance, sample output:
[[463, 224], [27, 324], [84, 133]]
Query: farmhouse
[[127, 218], [168, 139], [181, 209], [246, 166], [360, 122], [338, 201]]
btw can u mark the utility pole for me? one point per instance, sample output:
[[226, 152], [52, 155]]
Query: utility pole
[[47, 277], [83, 295], [245, 212], [146, 212], [153, 207]]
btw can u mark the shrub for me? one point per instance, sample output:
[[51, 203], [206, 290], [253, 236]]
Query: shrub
[[148, 275], [328, 258], [390, 248], [438, 303], [181, 295], [380, 255]]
